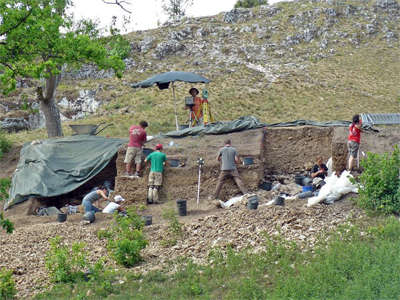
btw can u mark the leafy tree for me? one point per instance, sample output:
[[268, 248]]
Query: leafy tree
[[250, 3], [37, 39], [176, 9]]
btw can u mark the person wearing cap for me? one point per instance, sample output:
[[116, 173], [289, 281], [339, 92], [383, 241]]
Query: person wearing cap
[[157, 160], [197, 109], [137, 138]]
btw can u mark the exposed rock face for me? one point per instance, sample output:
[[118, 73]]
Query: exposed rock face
[[85, 104], [387, 4], [237, 15], [88, 72], [14, 124], [167, 48]]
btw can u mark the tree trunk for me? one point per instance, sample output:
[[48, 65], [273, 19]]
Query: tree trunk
[[49, 107]]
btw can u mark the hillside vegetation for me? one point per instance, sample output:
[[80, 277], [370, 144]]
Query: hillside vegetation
[[294, 60]]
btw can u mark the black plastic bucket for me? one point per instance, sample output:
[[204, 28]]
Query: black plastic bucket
[[266, 185], [62, 217], [174, 163], [299, 179], [252, 202], [182, 209], [279, 201], [148, 220], [147, 151]]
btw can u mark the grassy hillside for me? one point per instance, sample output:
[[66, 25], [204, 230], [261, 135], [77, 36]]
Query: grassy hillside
[[254, 71]]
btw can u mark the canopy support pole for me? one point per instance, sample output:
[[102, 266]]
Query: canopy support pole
[[176, 114]]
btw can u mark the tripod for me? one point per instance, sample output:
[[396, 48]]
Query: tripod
[[192, 117]]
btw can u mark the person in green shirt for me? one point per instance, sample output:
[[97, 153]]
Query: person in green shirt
[[157, 160]]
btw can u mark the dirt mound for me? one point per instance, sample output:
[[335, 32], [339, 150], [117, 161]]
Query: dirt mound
[[24, 250]]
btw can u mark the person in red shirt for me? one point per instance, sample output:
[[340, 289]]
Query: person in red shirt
[[353, 140], [137, 138]]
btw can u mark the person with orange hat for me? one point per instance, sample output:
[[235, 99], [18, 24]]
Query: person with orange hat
[[157, 160]]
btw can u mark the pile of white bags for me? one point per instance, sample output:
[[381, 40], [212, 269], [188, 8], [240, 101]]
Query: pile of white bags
[[334, 188]]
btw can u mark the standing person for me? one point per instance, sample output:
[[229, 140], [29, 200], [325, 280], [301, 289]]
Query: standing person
[[92, 197], [157, 160], [228, 157], [137, 138], [353, 140], [197, 109]]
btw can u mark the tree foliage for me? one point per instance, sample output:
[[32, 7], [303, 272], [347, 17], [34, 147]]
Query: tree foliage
[[176, 9], [38, 38], [250, 3]]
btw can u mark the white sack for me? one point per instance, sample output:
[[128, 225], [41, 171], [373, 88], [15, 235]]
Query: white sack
[[329, 166], [110, 208], [335, 188]]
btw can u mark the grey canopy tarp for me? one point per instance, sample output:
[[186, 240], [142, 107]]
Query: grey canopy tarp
[[55, 167], [162, 80]]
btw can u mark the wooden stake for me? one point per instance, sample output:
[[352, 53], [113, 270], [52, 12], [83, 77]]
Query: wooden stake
[[176, 114]]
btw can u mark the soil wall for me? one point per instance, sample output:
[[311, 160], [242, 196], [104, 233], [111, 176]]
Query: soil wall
[[276, 151], [380, 142], [181, 182], [295, 149]]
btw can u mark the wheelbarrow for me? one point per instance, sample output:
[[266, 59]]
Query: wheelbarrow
[[88, 129]]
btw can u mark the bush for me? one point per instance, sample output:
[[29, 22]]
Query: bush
[[5, 144], [119, 46], [5, 184], [6, 224], [250, 3], [379, 184], [65, 264], [7, 285], [125, 238]]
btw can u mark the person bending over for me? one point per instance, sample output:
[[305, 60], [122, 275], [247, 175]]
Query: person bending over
[[94, 196]]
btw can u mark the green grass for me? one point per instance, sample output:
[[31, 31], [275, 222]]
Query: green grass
[[356, 262]]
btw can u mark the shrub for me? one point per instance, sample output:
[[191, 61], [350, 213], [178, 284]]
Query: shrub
[[5, 144], [250, 3], [65, 264], [118, 46], [5, 184], [125, 238], [6, 224], [7, 285], [379, 184]]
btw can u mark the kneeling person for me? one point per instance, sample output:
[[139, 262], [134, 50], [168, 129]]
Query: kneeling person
[[94, 196], [157, 160]]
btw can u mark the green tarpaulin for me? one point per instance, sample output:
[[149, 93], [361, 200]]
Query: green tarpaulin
[[55, 167], [250, 122]]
